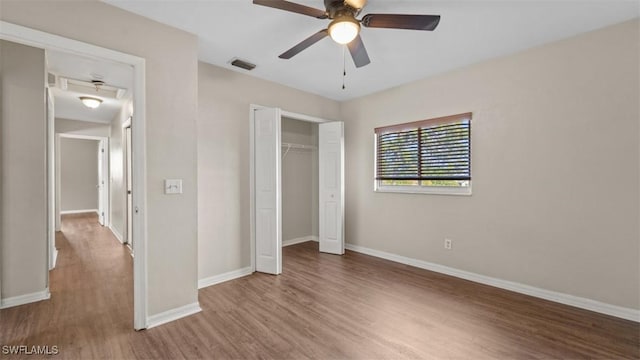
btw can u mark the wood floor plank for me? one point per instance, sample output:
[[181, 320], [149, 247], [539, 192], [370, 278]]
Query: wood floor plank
[[322, 307]]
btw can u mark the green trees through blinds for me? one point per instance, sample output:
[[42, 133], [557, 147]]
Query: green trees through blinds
[[445, 152], [398, 155], [432, 152]]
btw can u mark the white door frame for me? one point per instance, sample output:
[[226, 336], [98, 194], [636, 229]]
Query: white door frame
[[126, 153], [39, 39], [52, 213], [103, 202], [252, 205], [104, 175]]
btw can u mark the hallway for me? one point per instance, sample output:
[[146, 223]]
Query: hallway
[[93, 274], [91, 301]]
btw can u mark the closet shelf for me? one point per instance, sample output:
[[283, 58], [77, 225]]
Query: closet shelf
[[290, 146]]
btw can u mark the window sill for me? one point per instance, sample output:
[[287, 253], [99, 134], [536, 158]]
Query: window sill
[[430, 190]]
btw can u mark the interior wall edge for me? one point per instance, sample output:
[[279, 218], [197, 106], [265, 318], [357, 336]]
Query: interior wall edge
[[300, 240], [79, 211], [173, 314], [230, 275], [116, 233], [25, 299]]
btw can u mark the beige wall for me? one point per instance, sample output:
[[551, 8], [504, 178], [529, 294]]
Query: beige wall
[[171, 110], [555, 139], [298, 191], [223, 159], [75, 127], [23, 224], [78, 174]]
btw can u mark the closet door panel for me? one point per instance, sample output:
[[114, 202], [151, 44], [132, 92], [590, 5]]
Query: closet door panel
[[331, 187], [267, 199]]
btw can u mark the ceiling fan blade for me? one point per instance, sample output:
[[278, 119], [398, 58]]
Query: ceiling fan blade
[[358, 52], [304, 44], [400, 21], [356, 4], [293, 7]]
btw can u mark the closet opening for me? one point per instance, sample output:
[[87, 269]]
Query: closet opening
[[299, 157], [297, 185]]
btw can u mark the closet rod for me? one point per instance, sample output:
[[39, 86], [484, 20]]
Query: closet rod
[[290, 146], [298, 146]]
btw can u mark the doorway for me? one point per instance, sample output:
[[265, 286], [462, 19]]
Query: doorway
[[38, 39], [82, 173], [266, 185], [90, 174]]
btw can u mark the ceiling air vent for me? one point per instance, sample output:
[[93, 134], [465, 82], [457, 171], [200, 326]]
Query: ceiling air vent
[[243, 64]]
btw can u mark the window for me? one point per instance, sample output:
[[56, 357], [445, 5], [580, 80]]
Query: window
[[429, 156]]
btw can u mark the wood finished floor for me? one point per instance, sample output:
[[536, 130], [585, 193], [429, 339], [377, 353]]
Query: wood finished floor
[[322, 306]]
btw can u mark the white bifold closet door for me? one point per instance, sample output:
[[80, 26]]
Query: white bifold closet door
[[268, 210], [331, 187], [267, 190]]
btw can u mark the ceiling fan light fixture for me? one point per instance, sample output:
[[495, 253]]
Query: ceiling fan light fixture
[[90, 102], [344, 29]]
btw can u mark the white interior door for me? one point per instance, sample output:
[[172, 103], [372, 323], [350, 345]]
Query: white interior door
[[331, 187], [268, 219], [102, 174], [101, 182]]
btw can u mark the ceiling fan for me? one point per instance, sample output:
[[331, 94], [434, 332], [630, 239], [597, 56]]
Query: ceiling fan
[[345, 28]]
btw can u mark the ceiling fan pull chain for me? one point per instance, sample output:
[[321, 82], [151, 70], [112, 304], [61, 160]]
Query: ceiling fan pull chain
[[344, 65]]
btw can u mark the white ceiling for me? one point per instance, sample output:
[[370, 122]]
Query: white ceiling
[[68, 104], [469, 32]]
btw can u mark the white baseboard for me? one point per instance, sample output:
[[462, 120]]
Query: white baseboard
[[173, 314], [25, 299], [299, 240], [55, 259], [576, 301], [217, 279], [82, 211], [116, 233]]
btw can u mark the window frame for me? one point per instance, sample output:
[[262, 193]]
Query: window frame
[[423, 189]]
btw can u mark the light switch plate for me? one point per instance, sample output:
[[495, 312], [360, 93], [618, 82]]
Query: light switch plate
[[173, 186]]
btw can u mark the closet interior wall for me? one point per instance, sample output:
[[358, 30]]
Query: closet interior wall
[[299, 181]]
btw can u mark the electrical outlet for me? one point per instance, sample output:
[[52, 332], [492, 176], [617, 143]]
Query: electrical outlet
[[448, 243]]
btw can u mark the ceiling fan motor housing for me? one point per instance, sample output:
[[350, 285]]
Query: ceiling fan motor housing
[[339, 8]]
